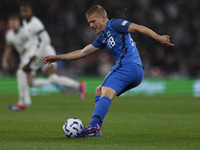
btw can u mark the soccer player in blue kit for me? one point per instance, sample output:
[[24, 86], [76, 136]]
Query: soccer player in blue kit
[[127, 73]]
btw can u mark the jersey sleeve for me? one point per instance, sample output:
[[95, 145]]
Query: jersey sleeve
[[97, 43], [38, 34], [37, 26], [8, 39], [120, 25]]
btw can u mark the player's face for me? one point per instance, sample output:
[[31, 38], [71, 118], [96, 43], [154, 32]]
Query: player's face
[[14, 24], [25, 12], [97, 23]]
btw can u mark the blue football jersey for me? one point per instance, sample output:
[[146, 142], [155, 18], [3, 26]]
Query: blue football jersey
[[120, 43]]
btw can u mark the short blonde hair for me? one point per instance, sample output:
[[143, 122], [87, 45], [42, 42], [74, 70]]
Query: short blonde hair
[[97, 9]]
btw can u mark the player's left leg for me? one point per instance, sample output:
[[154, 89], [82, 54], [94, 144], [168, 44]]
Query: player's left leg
[[94, 126], [102, 106]]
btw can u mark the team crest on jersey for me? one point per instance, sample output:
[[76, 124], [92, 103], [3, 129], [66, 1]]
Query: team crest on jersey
[[108, 33]]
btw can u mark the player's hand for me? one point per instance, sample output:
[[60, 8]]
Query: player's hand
[[33, 58], [26, 69], [165, 40], [5, 65], [23, 52], [50, 59]]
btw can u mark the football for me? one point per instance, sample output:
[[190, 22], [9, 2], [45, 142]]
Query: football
[[71, 126]]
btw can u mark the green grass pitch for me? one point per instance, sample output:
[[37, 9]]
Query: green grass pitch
[[132, 123]]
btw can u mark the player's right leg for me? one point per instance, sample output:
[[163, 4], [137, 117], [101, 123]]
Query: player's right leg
[[50, 72]]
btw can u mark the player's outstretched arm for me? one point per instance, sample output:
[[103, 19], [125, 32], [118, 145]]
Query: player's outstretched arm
[[6, 55], [164, 39], [78, 54]]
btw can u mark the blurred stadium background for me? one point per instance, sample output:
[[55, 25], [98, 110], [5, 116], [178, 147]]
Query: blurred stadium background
[[169, 70]]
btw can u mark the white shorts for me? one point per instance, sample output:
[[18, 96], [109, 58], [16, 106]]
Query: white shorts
[[38, 62]]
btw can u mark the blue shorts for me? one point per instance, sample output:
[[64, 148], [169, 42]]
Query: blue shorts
[[123, 77]]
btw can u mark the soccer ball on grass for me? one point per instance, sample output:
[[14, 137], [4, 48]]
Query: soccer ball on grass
[[71, 126]]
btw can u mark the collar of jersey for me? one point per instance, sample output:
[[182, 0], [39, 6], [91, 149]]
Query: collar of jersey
[[106, 27], [28, 20]]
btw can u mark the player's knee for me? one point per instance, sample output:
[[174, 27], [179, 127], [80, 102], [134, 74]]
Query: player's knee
[[19, 73], [109, 92], [53, 78], [30, 82], [51, 70], [98, 90]]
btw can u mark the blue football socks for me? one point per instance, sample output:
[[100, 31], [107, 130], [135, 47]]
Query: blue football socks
[[101, 108], [97, 98]]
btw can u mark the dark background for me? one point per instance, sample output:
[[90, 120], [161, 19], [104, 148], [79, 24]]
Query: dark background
[[68, 28]]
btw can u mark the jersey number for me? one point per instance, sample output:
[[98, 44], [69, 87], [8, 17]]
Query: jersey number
[[111, 42]]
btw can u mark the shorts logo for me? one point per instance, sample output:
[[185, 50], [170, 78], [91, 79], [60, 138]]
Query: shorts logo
[[124, 23]]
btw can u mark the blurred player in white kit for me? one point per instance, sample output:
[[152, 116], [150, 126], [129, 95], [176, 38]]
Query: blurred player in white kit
[[32, 42], [16, 37]]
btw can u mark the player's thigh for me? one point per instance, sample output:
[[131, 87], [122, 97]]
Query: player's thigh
[[38, 63], [24, 61], [123, 78], [133, 80], [49, 70], [113, 80]]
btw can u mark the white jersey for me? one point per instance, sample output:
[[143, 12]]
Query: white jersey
[[33, 37], [16, 39], [19, 41], [38, 37], [38, 41]]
